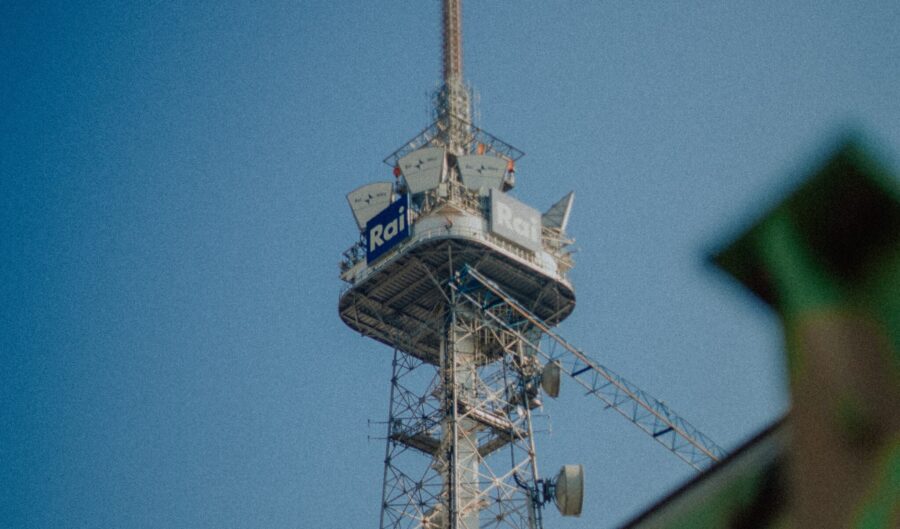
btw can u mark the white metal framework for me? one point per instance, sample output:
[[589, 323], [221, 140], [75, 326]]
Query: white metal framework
[[460, 451], [635, 404]]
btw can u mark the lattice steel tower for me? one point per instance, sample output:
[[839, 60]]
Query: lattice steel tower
[[465, 284]]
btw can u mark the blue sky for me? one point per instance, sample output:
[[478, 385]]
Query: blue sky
[[172, 201]]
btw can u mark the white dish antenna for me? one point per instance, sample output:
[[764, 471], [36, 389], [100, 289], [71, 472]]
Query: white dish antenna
[[479, 171], [423, 169], [558, 214], [570, 490], [368, 200], [550, 379]]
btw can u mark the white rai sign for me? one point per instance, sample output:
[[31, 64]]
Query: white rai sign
[[515, 221]]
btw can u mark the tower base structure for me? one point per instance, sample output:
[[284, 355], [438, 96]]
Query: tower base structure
[[460, 450]]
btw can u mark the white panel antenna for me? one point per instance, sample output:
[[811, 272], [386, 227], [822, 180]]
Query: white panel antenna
[[558, 214], [423, 169], [481, 171], [368, 200]]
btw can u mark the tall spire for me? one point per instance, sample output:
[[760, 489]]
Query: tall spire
[[452, 19], [452, 98]]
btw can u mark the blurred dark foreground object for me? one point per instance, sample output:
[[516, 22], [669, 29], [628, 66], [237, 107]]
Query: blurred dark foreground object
[[827, 259]]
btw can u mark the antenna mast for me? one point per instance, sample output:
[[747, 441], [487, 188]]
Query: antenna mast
[[452, 107], [452, 40]]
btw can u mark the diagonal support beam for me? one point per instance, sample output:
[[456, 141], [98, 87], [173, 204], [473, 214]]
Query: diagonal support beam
[[648, 413]]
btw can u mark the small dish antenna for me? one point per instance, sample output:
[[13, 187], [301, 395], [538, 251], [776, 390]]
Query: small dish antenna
[[566, 490], [569, 493], [550, 379]]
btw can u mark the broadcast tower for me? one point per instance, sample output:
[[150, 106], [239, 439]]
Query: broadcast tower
[[465, 283]]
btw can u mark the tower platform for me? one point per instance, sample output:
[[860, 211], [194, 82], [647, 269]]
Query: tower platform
[[402, 300]]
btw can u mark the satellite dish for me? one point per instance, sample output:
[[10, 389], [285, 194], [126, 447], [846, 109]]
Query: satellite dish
[[570, 490], [423, 169], [558, 214], [550, 379], [368, 200], [481, 171]]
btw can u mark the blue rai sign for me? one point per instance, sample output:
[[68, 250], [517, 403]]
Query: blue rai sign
[[387, 229]]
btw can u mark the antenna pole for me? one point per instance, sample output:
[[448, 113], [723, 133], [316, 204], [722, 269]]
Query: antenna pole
[[452, 20], [452, 99]]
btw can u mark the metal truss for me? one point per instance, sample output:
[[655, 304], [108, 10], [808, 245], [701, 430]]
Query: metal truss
[[645, 411], [411, 490], [453, 126], [432, 136], [460, 452]]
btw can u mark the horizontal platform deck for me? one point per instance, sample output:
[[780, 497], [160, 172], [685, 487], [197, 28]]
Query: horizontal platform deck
[[402, 301]]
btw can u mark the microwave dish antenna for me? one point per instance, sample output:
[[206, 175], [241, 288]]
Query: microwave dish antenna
[[569, 494]]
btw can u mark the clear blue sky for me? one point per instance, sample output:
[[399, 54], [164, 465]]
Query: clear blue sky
[[172, 202]]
